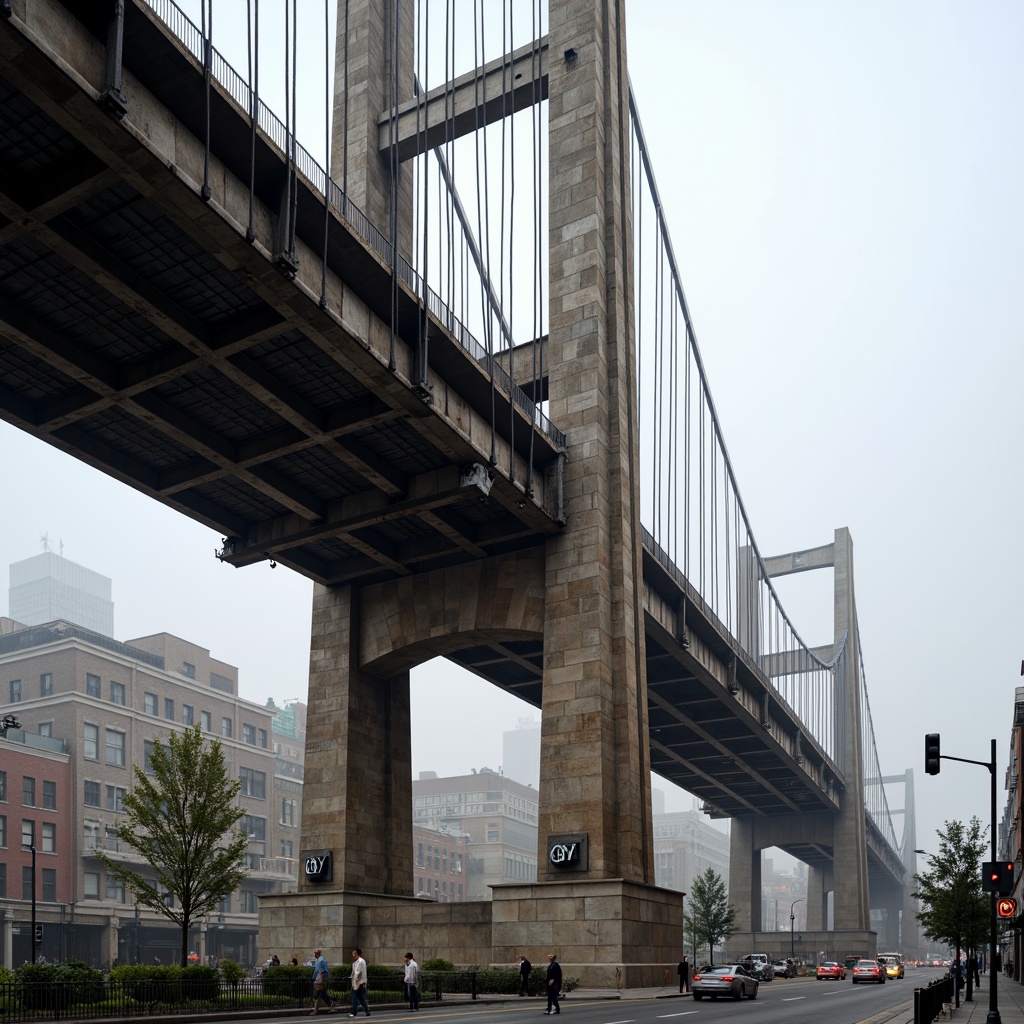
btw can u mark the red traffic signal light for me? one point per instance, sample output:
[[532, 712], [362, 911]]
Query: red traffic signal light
[[997, 876], [931, 753], [1006, 906]]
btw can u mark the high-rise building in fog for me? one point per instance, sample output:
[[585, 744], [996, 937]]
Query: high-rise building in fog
[[48, 587], [520, 752]]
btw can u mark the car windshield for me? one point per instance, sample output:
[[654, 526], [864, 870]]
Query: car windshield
[[829, 963], [867, 965], [727, 969]]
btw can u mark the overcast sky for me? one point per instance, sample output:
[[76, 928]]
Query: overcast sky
[[843, 186]]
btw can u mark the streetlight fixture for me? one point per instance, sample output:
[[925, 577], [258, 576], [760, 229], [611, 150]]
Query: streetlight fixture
[[32, 847], [792, 918]]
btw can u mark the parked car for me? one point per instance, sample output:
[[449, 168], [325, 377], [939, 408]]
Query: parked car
[[830, 969], [868, 970], [759, 966], [784, 969], [851, 962], [733, 980]]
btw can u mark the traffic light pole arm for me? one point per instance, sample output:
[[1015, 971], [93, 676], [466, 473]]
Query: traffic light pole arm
[[990, 765]]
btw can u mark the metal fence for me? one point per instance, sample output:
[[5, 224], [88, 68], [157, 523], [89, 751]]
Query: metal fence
[[928, 1002], [22, 1001]]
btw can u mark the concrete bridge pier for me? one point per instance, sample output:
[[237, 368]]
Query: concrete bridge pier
[[598, 910]]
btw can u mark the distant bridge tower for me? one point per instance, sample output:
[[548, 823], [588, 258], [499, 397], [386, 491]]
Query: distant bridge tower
[[834, 845]]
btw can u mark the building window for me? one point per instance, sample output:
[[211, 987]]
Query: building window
[[149, 701], [263, 738], [116, 693], [206, 721], [3, 787], [92, 885], [419, 857], [15, 691], [222, 683], [46, 684], [249, 734], [92, 685], [254, 783], [287, 812], [3, 831], [254, 827], [115, 889], [287, 849], [187, 715], [26, 882], [169, 709], [493, 835], [28, 832], [92, 794], [28, 791], [91, 745], [114, 741], [225, 728], [50, 796], [3, 881], [148, 746], [48, 831], [188, 669], [115, 798], [46, 729], [249, 902]]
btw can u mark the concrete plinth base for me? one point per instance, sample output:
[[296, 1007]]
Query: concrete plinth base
[[384, 927], [607, 933]]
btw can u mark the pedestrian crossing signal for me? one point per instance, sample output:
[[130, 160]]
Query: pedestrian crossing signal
[[1006, 906]]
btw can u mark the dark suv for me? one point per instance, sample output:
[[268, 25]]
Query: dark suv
[[851, 962]]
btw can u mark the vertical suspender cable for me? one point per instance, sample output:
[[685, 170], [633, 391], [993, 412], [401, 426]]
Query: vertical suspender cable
[[254, 108], [294, 153], [327, 153], [205, 192], [286, 213], [501, 263], [344, 138], [393, 164]]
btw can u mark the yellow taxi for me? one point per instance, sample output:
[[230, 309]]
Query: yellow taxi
[[893, 965]]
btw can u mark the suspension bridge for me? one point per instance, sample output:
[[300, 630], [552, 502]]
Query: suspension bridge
[[450, 375]]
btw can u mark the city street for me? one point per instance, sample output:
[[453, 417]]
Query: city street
[[793, 1001]]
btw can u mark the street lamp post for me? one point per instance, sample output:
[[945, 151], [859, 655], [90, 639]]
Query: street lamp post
[[32, 847], [792, 918], [138, 937]]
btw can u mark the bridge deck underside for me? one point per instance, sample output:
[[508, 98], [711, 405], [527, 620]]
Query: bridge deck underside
[[133, 336]]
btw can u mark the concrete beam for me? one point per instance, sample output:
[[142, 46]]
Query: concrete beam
[[462, 106], [823, 557]]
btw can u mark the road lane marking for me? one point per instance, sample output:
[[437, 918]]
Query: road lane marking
[[685, 1013], [792, 999]]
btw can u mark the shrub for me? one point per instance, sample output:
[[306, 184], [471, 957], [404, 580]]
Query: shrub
[[288, 981], [231, 972], [498, 981], [437, 963], [54, 987]]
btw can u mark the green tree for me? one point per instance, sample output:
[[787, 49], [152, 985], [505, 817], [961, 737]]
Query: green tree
[[181, 817], [711, 919], [953, 908]]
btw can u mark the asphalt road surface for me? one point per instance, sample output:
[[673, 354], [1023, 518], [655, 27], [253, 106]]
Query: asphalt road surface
[[783, 1001]]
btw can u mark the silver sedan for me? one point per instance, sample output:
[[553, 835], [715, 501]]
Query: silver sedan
[[733, 980]]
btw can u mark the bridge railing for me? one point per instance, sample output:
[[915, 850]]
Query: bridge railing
[[320, 183]]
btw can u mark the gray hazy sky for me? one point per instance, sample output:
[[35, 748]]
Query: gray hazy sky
[[843, 186]]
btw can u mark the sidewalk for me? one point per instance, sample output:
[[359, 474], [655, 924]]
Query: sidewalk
[[1009, 997]]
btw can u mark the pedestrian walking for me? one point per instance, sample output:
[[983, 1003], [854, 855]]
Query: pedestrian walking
[[321, 981], [359, 983], [554, 980], [412, 981], [684, 974], [524, 976]]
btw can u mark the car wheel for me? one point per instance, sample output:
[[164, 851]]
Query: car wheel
[[742, 992], [855, 981], [698, 996], [753, 995]]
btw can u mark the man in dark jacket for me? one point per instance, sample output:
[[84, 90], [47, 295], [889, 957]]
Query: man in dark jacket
[[684, 974], [524, 976], [554, 983]]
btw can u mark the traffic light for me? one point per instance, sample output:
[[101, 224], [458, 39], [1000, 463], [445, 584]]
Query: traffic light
[[931, 753], [997, 876], [38, 935], [1006, 906]]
